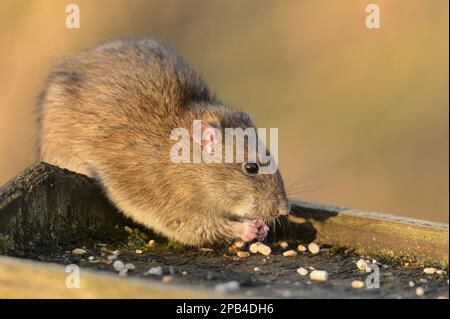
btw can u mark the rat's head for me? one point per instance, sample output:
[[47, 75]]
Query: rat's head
[[241, 186]]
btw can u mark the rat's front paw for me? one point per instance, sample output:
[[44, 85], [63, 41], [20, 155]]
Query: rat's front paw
[[252, 229]]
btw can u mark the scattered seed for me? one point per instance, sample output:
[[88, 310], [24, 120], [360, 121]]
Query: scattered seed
[[301, 248], [167, 279], [419, 291], [440, 272], [243, 254], [157, 271], [78, 251], [319, 275], [302, 271], [429, 271], [313, 248], [151, 243], [130, 267], [284, 245], [290, 253], [256, 269], [411, 284], [227, 287], [118, 265], [254, 247], [138, 251], [357, 284], [184, 273], [362, 265], [91, 258], [238, 244], [264, 249]]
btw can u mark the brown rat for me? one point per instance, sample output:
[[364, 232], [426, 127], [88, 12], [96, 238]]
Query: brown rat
[[108, 113]]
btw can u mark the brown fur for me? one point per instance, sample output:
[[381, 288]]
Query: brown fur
[[108, 113]]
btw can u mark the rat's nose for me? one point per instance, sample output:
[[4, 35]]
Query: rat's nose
[[284, 209]]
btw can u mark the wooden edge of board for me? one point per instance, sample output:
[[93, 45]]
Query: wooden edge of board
[[23, 278], [375, 233]]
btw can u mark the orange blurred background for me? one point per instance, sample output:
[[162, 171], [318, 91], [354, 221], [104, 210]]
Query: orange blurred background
[[362, 113]]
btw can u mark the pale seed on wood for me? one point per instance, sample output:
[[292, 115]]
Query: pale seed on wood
[[238, 244], [290, 253], [243, 254], [302, 271], [319, 275], [264, 249], [362, 265], [419, 291], [284, 245], [357, 284], [429, 271], [254, 247], [313, 248], [78, 251], [118, 265]]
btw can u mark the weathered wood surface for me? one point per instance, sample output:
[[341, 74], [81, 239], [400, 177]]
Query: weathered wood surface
[[45, 206], [372, 233], [29, 279], [46, 209]]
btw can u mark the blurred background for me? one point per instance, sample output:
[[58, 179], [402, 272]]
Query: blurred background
[[362, 113]]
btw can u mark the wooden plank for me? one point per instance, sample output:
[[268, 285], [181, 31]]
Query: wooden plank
[[45, 206], [29, 279], [372, 232]]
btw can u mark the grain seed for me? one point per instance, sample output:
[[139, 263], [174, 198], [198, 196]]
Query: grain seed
[[420, 292], [254, 247], [362, 265], [284, 245], [290, 253], [429, 271], [357, 284], [319, 275], [243, 254], [118, 265], [302, 271], [264, 249], [313, 248], [78, 251]]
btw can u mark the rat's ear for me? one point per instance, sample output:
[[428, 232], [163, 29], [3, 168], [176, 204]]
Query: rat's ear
[[206, 133]]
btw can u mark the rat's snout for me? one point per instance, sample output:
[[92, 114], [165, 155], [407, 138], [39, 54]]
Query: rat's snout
[[284, 208]]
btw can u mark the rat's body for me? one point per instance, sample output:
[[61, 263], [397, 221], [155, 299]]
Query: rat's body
[[108, 113]]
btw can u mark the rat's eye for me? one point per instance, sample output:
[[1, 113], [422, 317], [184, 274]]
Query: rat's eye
[[251, 168]]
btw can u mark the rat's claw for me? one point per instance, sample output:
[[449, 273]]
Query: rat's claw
[[262, 232]]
